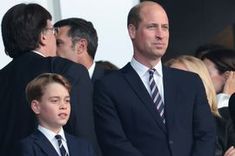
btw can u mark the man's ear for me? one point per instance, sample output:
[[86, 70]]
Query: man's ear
[[81, 46], [35, 106], [43, 39], [131, 31]]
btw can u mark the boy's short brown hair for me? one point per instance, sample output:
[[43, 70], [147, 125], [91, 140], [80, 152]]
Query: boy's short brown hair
[[35, 88]]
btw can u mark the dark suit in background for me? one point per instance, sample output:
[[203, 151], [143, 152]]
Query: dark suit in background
[[232, 108], [102, 68], [225, 113], [16, 116], [127, 123], [225, 135], [38, 145]]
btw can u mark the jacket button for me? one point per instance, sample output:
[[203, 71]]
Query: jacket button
[[171, 142]]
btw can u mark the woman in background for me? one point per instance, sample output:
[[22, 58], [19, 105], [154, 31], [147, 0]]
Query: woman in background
[[221, 66], [225, 132]]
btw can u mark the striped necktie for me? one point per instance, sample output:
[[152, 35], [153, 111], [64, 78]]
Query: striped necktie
[[61, 147], [157, 99]]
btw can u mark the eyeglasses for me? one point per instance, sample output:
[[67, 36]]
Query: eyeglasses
[[53, 29]]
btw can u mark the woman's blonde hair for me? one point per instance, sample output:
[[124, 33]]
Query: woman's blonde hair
[[196, 65]]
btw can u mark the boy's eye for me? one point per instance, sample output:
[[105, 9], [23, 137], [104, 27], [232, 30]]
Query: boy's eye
[[54, 100]]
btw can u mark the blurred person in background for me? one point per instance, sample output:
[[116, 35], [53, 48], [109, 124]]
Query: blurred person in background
[[225, 140], [77, 40], [221, 66]]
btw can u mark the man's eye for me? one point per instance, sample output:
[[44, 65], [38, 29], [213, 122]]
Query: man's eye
[[165, 27], [58, 43], [151, 27]]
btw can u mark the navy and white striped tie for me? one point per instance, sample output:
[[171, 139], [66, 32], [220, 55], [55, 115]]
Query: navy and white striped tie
[[157, 99], [61, 147]]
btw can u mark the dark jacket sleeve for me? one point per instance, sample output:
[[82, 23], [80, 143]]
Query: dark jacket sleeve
[[225, 135], [204, 124]]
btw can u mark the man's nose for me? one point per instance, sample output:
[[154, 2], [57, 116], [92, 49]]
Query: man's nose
[[159, 33]]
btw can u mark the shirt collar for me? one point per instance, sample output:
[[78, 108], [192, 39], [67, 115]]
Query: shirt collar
[[158, 68], [39, 53], [50, 134], [91, 69], [142, 69]]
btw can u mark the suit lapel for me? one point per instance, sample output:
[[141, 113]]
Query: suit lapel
[[44, 144], [138, 87], [170, 94]]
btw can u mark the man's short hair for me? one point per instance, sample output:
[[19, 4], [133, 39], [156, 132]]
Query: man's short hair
[[81, 29], [21, 28], [134, 16]]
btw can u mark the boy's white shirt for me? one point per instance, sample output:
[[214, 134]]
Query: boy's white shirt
[[50, 135]]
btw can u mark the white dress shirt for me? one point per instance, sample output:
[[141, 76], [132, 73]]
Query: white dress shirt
[[143, 73], [50, 135], [91, 69]]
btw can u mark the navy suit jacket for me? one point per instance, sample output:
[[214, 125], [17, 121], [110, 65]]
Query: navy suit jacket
[[99, 72], [127, 123], [16, 117], [38, 145]]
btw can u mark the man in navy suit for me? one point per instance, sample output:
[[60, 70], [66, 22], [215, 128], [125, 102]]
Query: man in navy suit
[[146, 109], [49, 97], [77, 40], [28, 37]]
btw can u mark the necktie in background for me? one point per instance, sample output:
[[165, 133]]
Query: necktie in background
[[61, 147], [157, 99]]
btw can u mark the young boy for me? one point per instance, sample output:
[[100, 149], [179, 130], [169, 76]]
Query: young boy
[[49, 96]]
